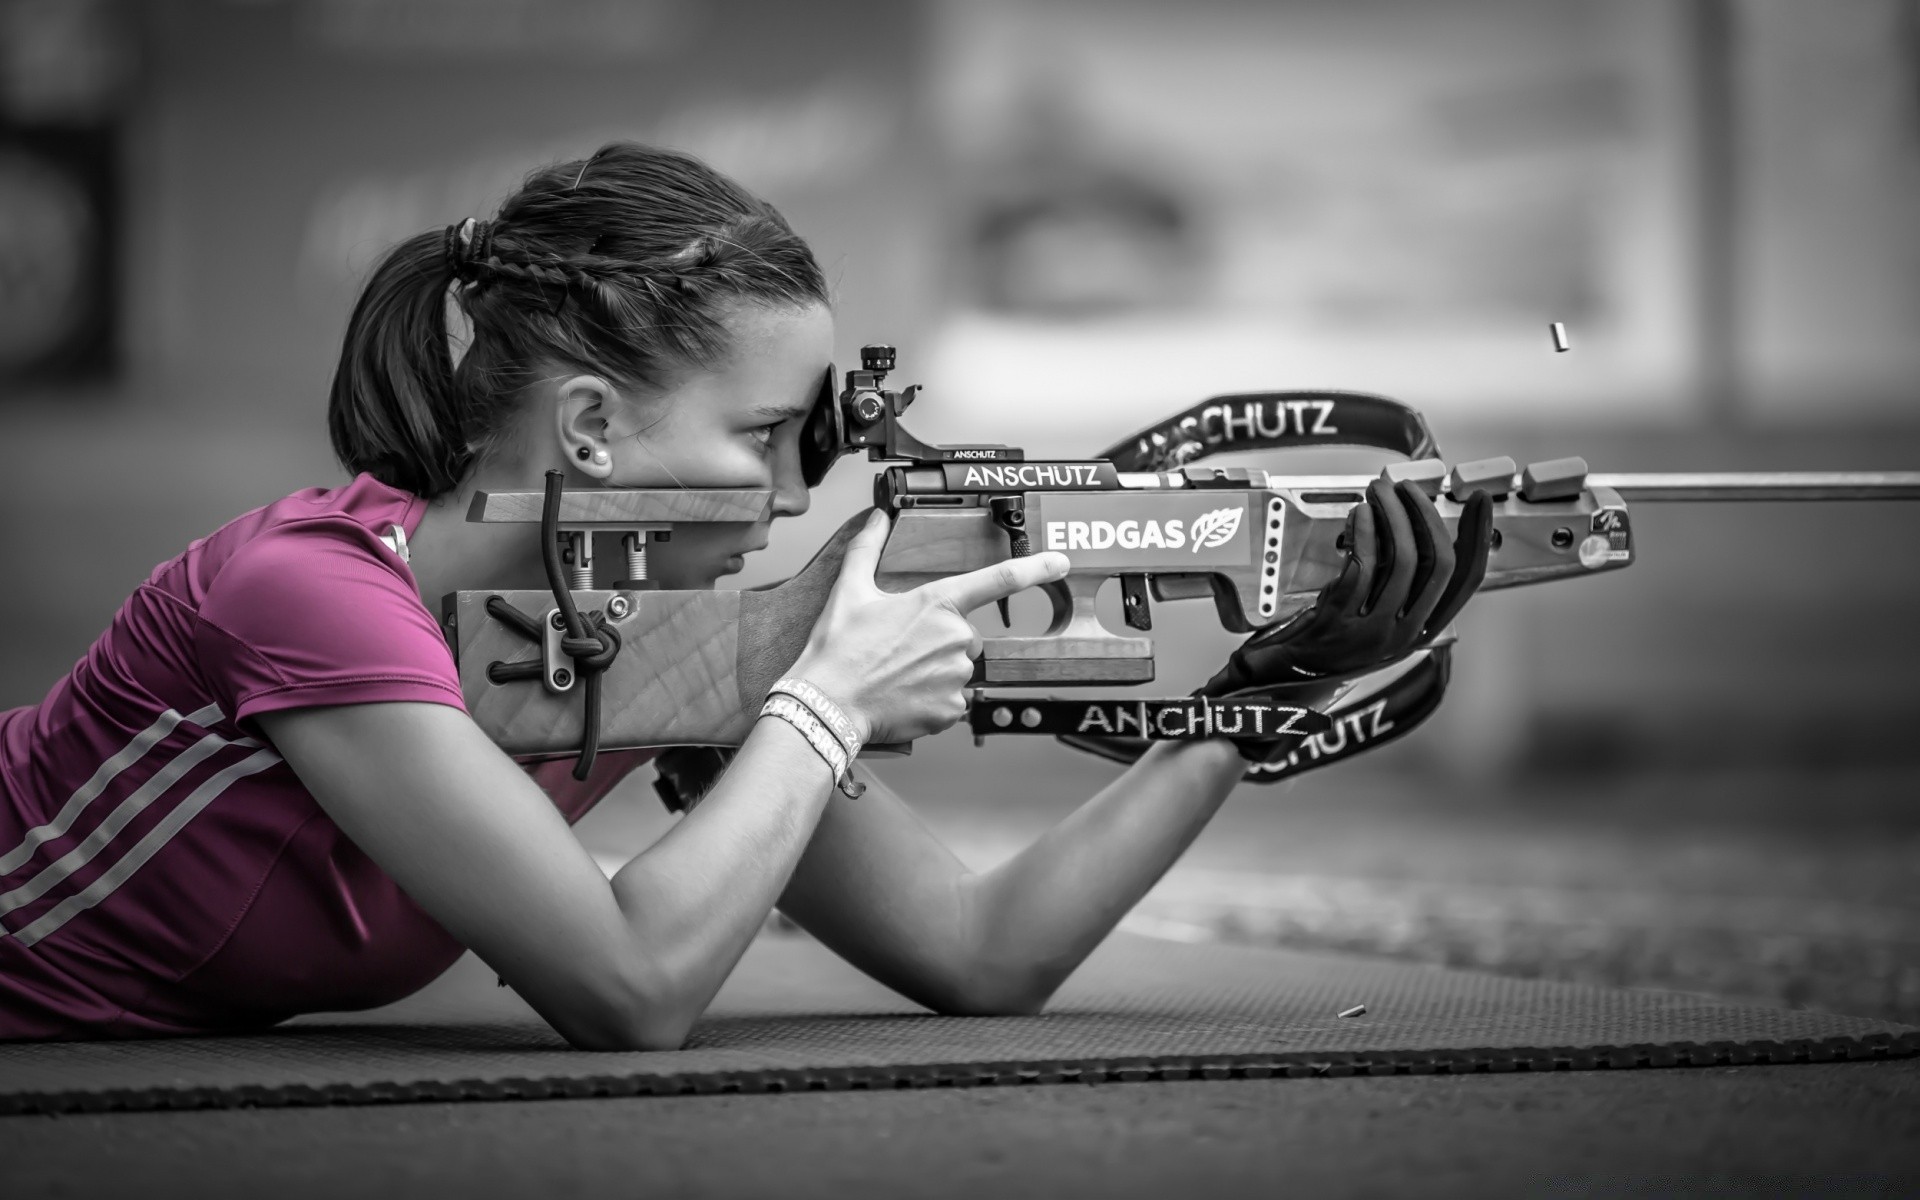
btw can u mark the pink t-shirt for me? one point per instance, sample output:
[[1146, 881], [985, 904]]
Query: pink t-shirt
[[161, 869]]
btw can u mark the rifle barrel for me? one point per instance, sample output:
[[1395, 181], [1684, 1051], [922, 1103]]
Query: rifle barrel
[[1689, 485], [1764, 485]]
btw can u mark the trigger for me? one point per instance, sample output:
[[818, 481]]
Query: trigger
[[1006, 612], [1133, 602]]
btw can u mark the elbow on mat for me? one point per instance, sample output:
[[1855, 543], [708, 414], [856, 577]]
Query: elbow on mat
[[633, 1028], [989, 996], [634, 1014], [993, 1008]]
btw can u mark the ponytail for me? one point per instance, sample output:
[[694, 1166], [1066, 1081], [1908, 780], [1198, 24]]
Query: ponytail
[[624, 264], [394, 412]]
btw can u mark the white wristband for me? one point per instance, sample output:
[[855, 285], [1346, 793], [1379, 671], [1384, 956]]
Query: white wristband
[[823, 742], [831, 715]]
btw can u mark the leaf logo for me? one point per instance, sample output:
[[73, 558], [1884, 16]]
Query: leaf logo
[[1216, 528]]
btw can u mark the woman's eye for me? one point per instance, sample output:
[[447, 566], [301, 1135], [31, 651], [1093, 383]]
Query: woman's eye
[[764, 434]]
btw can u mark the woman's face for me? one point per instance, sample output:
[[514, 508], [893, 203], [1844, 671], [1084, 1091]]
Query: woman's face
[[737, 426]]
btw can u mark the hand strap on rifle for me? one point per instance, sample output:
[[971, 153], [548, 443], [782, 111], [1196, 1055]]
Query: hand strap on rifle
[[1274, 421], [1382, 708], [1385, 705]]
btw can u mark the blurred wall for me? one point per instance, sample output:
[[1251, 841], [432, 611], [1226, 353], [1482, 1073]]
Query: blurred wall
[[1827, 179], [1716, 194], [290, 142]]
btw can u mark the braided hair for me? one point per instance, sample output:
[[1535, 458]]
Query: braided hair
[[624, 264]]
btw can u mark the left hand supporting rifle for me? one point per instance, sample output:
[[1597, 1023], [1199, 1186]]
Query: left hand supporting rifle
[[1403, 584]]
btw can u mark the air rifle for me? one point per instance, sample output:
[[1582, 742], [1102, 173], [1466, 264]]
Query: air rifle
[[624, 663]]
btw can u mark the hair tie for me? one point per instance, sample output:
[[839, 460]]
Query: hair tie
[[468, 244]]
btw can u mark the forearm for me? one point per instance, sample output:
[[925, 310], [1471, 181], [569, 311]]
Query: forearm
[[697, 897], [1037, 915]]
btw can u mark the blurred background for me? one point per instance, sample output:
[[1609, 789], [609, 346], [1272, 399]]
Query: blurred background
[[1072, 217]]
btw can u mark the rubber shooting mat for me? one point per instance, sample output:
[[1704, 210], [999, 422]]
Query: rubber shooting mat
[[795, 1018]]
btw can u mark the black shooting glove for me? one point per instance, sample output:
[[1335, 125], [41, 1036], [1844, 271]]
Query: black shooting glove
[[1403, 584]]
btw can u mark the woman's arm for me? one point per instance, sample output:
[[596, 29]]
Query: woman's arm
[[632, 962], [877, 887], [623, 964]]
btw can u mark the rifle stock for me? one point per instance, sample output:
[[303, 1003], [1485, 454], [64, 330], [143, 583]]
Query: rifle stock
[[694, 670]]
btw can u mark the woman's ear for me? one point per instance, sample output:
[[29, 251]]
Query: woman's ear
[[582, 406]]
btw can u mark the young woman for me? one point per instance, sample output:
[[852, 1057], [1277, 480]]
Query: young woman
[[259, 793]]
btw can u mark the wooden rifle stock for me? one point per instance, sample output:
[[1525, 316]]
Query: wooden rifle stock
[[694, 667]]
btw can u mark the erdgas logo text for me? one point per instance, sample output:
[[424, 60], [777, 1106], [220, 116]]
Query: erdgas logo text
[[1209, 531], [1128, 535], [1146, 530]]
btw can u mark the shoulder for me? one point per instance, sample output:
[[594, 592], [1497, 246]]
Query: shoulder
[[329, 570], [317, 610], [304, 553], [306, 533]]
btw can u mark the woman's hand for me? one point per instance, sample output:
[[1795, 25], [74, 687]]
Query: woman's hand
[[1402, 585], [899, 663]]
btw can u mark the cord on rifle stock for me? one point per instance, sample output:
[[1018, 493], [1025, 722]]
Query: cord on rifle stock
[[592, 645]]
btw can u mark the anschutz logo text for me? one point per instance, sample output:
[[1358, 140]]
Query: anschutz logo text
[[1030, 476], [1266, 419], [1356, 730], [1196, 719], [1209, 531]]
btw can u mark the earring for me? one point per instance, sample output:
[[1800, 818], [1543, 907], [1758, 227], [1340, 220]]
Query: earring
[[600, 457], [582, 453]]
